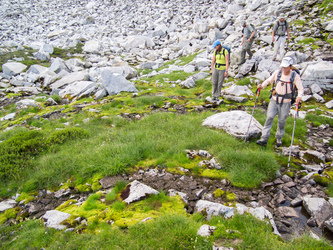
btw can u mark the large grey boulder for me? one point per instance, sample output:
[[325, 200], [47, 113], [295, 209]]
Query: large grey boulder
[[142, 42], [13, 68], [92, 46], [188, 83], [136, 191], [36, 69], [329, 104], [54, 218], [234, 123], [237, 90], [115, 84], [76, 89], [214, 209], [126, 71], [57, 65], [27, 90], [320, 73], [70, 78], [320, 209], [268, 65], [7, 204], [247, 67], [25, 103]]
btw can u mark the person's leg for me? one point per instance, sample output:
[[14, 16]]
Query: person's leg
[[248, 48], [282, 43], [276, 47], [220, 82], [243, 52], [283, 112], [271, 112], [215, 78]]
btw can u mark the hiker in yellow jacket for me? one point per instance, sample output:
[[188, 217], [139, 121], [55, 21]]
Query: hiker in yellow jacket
[[219, 68]]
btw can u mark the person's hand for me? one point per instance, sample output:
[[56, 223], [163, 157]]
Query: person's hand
[[273, 39], [248, 40], [288, 37], [241, 43], [298, 100], [259, 86], [226, 73], [211, 72]]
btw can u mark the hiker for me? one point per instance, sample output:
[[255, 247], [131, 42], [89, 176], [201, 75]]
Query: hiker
[[280, 28], [219, 68], [247, 41], [281, 99]]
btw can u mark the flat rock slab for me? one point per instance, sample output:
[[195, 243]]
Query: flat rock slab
[[236, 90], [54, 218], [234, 123], [7, 204], [136, 191], [115, 84]]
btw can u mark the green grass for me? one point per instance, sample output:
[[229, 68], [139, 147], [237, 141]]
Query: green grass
[[161, 137], [170, 231]]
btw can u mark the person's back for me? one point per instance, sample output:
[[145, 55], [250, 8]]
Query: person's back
[[280, 30]]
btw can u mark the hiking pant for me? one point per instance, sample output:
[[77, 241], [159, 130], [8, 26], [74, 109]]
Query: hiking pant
[[246, 47], [283, 112], [279, 44], [217, 80]]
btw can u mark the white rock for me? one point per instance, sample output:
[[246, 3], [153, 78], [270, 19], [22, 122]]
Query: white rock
[[235, 123], [319, 208], [13, 68], [138, 191], [54, 218], [7, 204]]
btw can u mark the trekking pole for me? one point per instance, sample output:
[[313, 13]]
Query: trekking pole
[[292, 138], [248, 128]]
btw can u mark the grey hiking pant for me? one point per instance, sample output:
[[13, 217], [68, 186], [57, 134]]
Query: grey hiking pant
[[246, 47], [217, 81], [283, 112]]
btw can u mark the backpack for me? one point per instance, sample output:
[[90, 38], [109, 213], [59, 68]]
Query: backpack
[[284, 24], [294, 91], [256, 32], [229, 51]]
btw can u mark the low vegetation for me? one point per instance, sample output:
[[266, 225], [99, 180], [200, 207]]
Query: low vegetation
[[79, 147]]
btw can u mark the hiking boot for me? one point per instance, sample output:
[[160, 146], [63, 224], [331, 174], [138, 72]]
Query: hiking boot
[[278, 142], [262, 143]]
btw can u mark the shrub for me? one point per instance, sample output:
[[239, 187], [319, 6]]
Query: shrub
[[16, 152], [56, 98]]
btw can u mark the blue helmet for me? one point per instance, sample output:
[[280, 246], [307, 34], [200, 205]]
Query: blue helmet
[[217, 42]]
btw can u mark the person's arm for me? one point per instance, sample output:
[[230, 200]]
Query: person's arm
[[226, 64], [212, 64], [300, 88], [252, 35], [243, 40], [273, 34]]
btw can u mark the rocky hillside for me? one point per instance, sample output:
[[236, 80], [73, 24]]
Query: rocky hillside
[[107, 59]]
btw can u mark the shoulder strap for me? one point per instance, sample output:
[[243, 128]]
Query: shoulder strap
[[277, 77], [223, 49]]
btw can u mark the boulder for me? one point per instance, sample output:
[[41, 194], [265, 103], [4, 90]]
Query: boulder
[[188, 83], [115, 84], [234, 123], [7, 204], [126, 71], [320, 73], [237, 90], [76, 89], [70, 78], [27, 90], [247, 67], [142, 42], [25, 103], [13, 68], [320, 209], [92, 46], [10, 116], [57, 65], [329, 104], [136, 191], [206, 230], [214, 209], [54, 218]]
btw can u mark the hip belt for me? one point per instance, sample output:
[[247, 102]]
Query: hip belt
[[217, 65]]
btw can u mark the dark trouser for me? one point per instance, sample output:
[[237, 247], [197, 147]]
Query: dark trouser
[[246, 48]]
